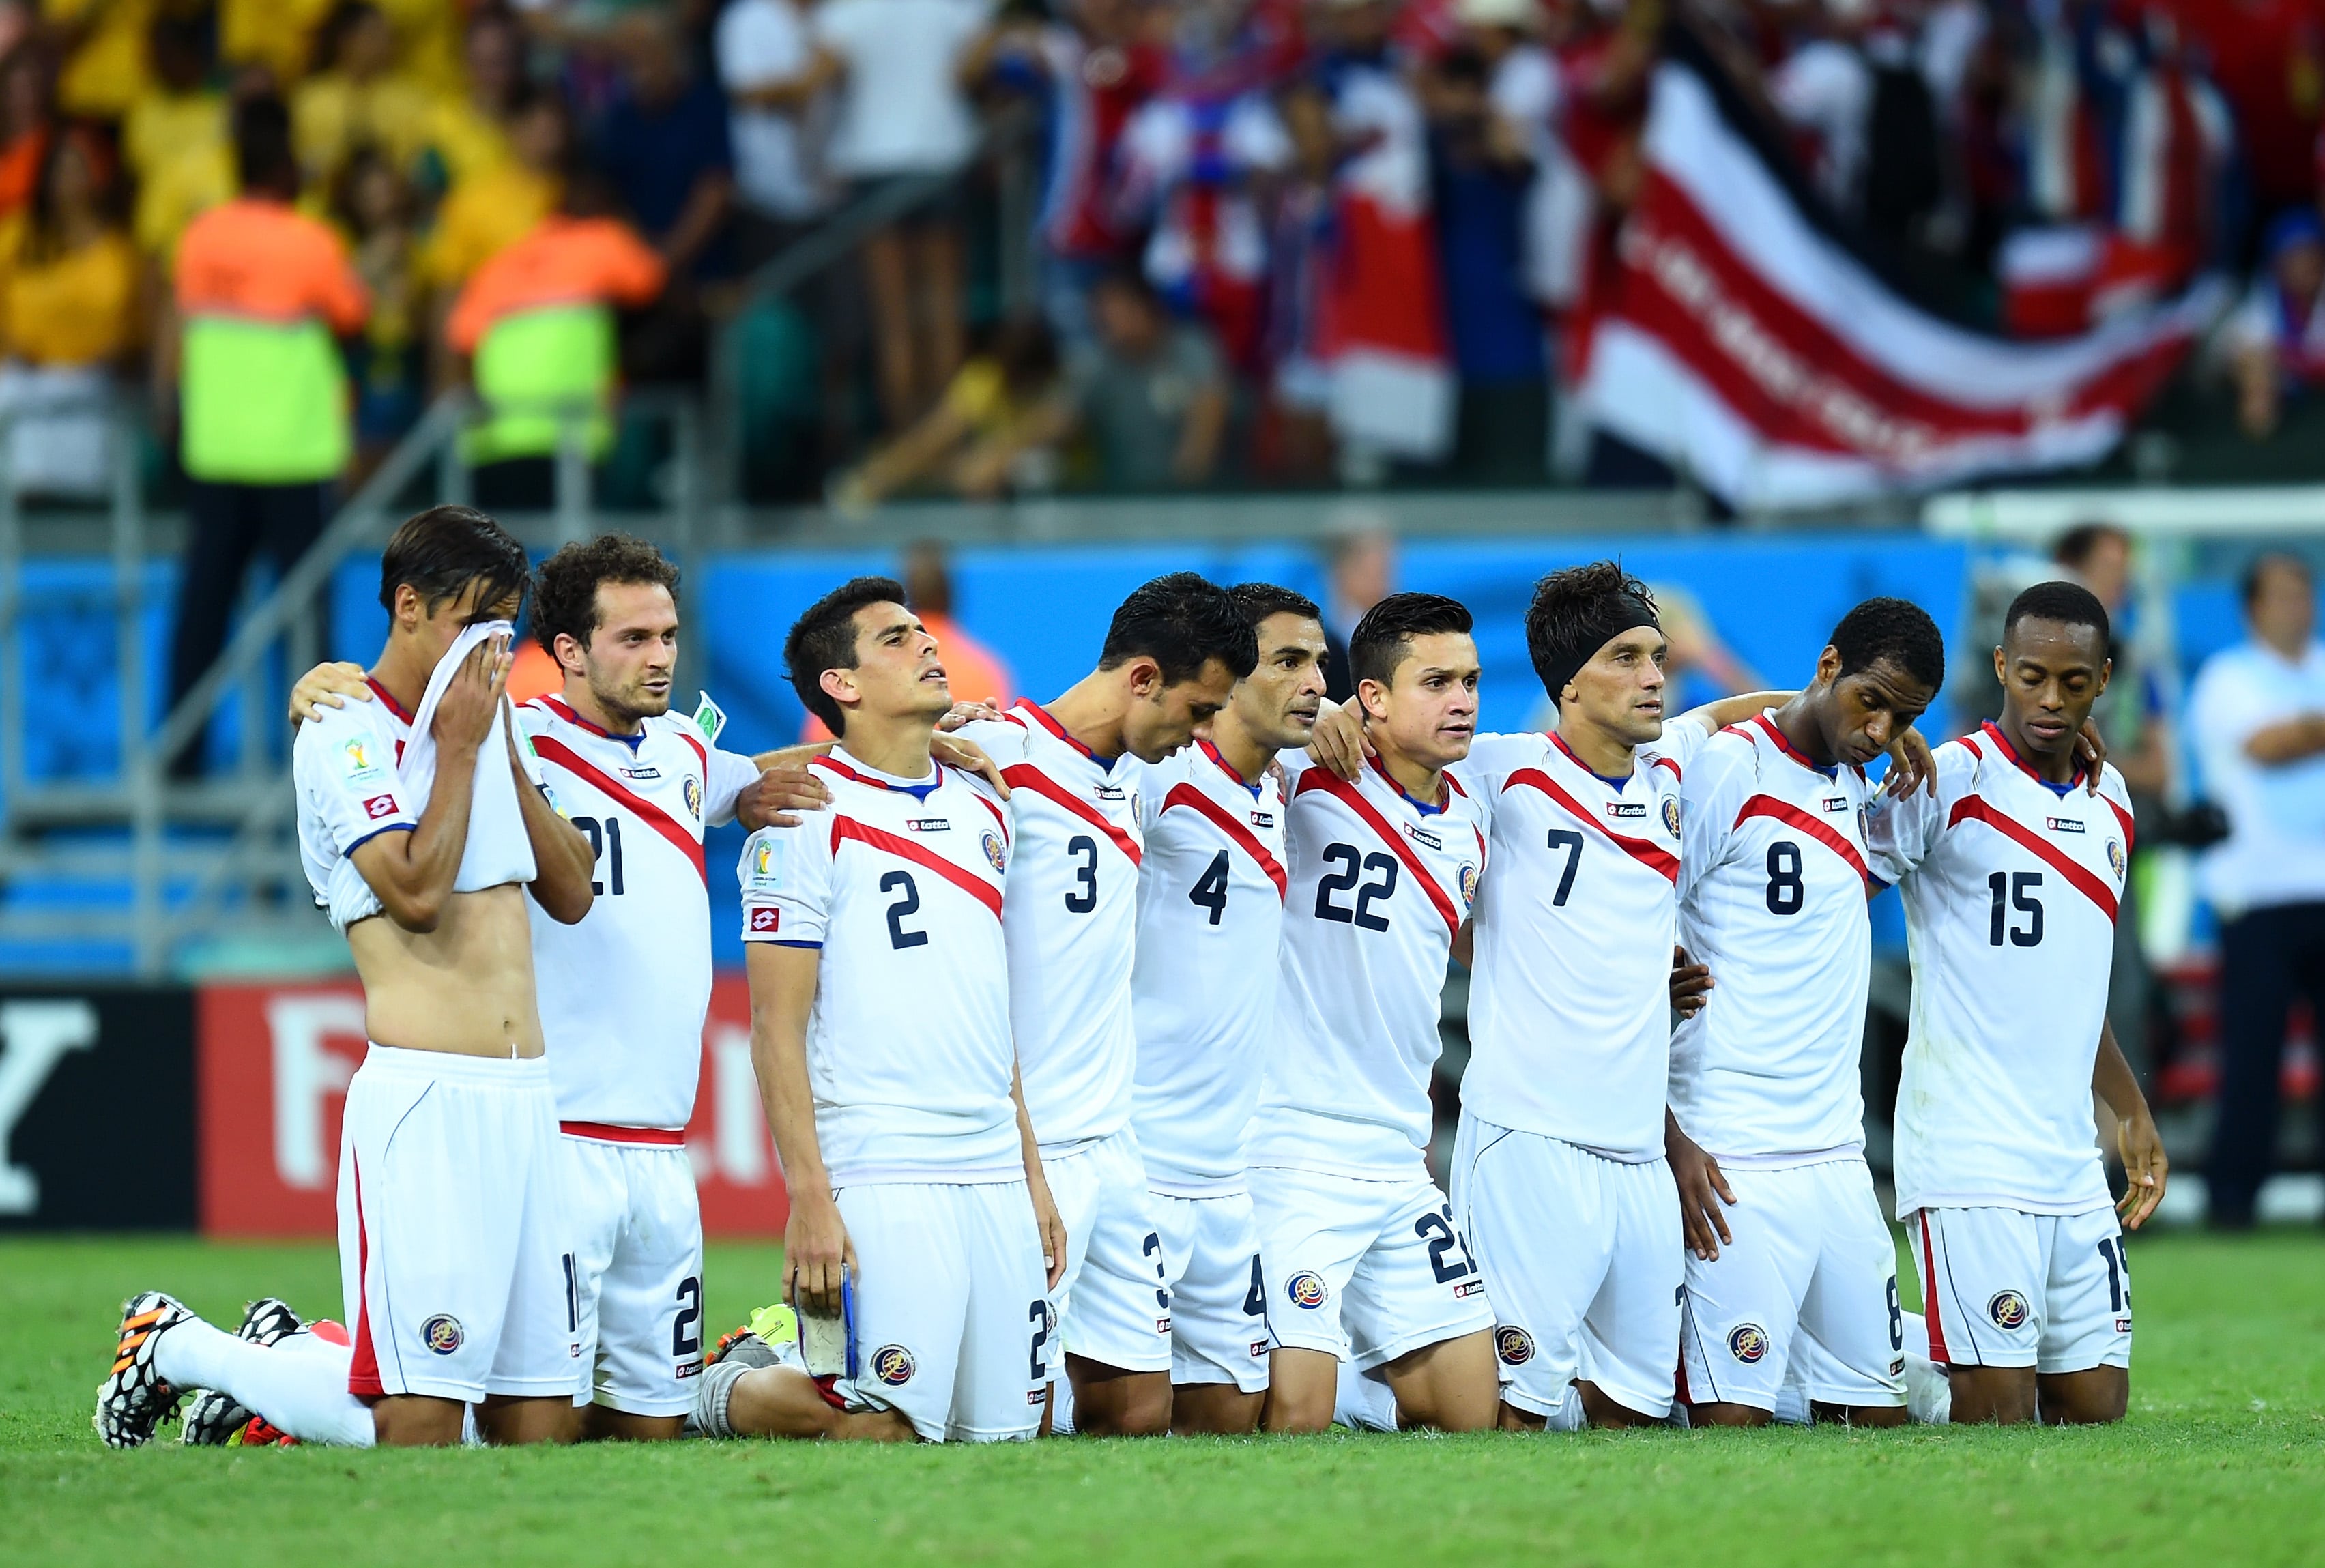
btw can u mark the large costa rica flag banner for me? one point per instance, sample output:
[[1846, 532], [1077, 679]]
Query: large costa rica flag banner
[[1744, 335]]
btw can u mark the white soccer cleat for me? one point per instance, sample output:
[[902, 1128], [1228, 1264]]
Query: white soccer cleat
[[215, 1416], [134, 1400]]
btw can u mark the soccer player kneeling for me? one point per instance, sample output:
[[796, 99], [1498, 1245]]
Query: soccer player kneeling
[[2010, 875], [880, 1030]]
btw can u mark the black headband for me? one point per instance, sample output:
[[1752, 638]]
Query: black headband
[[1621, 612]]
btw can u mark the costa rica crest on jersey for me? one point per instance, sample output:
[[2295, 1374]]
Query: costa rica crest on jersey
[[2008, 1309], [2115, 857], [1468, 886], [1514, 1345], [995, 854], [893, 1365], [442, 1333], [693, 797], [1747, 1342], [1671, 815], [1307, 1289]]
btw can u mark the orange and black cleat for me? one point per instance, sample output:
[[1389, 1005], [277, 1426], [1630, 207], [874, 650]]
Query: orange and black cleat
[[134, 1400]]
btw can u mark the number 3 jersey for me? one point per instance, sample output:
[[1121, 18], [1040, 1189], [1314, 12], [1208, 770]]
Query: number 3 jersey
[[624, 992], [1380, 883], [1569, 1009], [2011, 886], [909, 1055], [1211, 921], [1772, 896]]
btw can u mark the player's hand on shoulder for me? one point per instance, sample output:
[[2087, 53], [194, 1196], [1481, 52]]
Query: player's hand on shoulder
[[1703, 1190], [969, 757], [1912, 766], [328, 685], [966, 713], [2091, 753], [1338, 742], [773, 799], [472, 700]]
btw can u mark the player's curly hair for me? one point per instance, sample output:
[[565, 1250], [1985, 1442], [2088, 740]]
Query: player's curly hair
[[2068, 603], [565, 588], [1578, 611], [824, 638], [1384, 639], [1182, 622], [1895, 629], [438, 552], [1259, 600]]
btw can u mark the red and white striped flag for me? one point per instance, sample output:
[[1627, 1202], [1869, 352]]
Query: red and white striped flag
[[1742, 339]]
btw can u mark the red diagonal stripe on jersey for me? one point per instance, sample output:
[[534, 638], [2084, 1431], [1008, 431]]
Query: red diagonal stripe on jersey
[[1822, 831], [1187, 794], [960, 877], [1645, 854], [1346, 793], [1972, 808], [552, 750], [2125, 818], [1024, 775]]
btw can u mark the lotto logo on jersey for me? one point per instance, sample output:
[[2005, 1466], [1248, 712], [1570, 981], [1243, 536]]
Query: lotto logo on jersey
[[1263, 819], [1307, 1290], [442, 1334], [379, 806], [995, 854], [2008, 1309], [766, 920], [893, 1365], [2063, 824], [1514, 1345], [1621, 809], [1747, 1342], [1835, 803], [1421, 836], [929, 824], [693, 793], [2114, 857], [1671, 815]]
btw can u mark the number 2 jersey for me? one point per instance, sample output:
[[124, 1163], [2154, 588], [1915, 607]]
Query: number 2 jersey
[[1073, 921], [899, 882], [2011, 886], [1570, 1007], [1211, 921], [1379, 885], [1772, 896], [624, 992]]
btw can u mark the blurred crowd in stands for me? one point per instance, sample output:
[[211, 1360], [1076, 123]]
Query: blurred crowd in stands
[[551, 199]]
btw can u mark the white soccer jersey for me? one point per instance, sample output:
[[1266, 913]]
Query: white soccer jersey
[[343, 764], [2010, 887], [1210, 916], [1772, 896], [624, 992], [1569, 1003], [1380, 884], [899, 882], [1073, 921]]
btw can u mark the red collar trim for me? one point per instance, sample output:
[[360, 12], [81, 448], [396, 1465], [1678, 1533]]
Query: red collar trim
[[1225, 766], [1767, 727], [1617, 785], [1428, 807], [1058, 729], [2002, 744], [388, 698], [572, 714]]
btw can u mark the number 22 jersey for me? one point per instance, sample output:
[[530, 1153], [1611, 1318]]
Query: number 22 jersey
[[1380, 884], [2011, 886]]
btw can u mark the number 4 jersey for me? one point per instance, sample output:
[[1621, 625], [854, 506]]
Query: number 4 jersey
[[2010, 885]]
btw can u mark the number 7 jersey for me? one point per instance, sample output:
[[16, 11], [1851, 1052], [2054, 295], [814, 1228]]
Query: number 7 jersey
[[2011, 886]]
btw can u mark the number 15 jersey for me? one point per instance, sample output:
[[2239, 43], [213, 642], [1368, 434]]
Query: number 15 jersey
[[2011, 886], [1380, 883]]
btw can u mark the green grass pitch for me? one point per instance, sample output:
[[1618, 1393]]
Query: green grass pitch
[[2222, 1462]]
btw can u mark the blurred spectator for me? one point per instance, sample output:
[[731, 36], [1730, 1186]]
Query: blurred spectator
[[1294, 441], [429, 41], [2268, 57], [995, 426], [904, 112], [281, 38], [261, 291], [776, 121], [101, 45], [175, 139], [359, 99], [1104, 62], [373, 205], [664, 146], [468, 130], [1151, 392], [537, 323], [2278, 339], [1865, 108], [2257, 711], [27, 122], [1483, 172], [492, 207], [1359, 574], [68, 317]]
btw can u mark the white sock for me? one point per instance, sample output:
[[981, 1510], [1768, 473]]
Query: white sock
[[1929, 1392], [1364, 1401], [1792, 1405], [1062, 1407], [300, 1385], [1568, 1417]]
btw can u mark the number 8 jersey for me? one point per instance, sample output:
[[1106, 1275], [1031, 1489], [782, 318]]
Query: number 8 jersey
[[2010, 885]]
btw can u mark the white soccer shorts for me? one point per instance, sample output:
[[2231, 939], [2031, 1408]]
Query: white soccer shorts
[[455, 1259], [1218, 1301], [1807, 1291], [2002, 1288], [1584, 1253], [1366, 1271], [637, 1256], [1113, 1304], [952, 1326]]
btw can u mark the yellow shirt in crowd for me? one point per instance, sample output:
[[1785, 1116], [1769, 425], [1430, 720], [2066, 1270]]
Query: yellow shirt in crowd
[[332, 114], [482, 216], [181, 150], [108, 72], [278, 34], [76, 308]]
